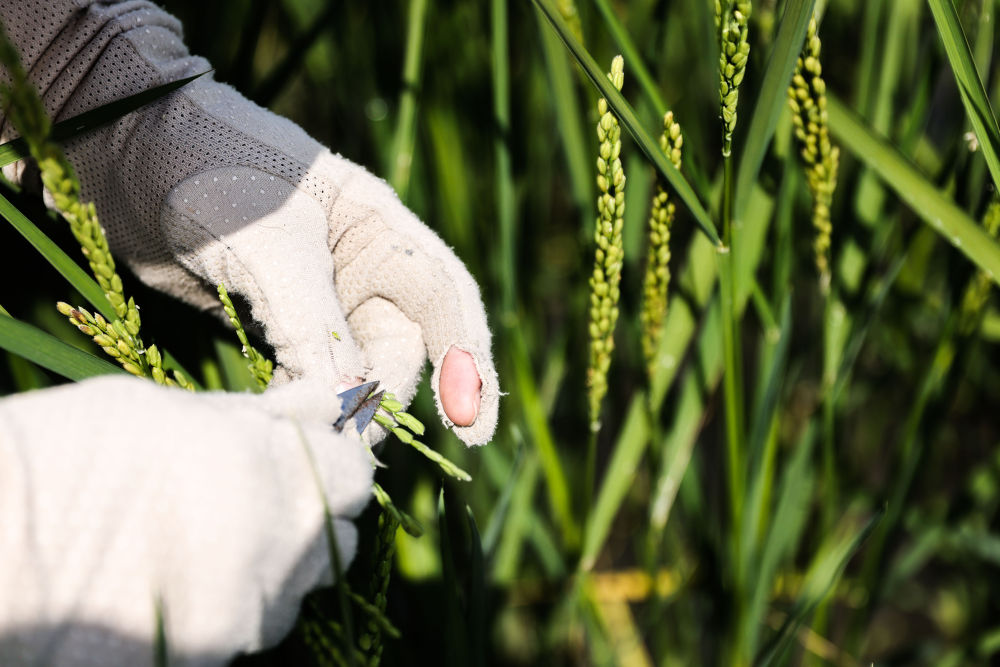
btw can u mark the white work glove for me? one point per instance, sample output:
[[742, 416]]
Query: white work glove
[[204, 187], [116, 493]]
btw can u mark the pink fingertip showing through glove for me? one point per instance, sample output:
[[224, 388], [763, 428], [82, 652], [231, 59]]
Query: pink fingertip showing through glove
[[459, 387]]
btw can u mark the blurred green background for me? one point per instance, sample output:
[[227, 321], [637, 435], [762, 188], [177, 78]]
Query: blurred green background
[[407, 89]]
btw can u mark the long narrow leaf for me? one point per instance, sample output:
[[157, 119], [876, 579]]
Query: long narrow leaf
[[627, 116], [17, 149], [476, 600], [619, 479], [632, 56], [970, 85], [772, 98], [71, 271], [823, 574], [51, 353], [405, 138], [60, 261], [787, 519], [568, 122], [927, 201], [457, 648]]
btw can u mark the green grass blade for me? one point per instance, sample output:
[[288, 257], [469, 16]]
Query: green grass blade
[[970, 85], [236, 374], [17, 149], [772, 98], [765, 413], [503, 179], [333, 550], [25, 375], [537, 424], [633, 59], [498, 517], [788, 518], [677, 449], [71, 271], [457, 644], [505, 563], [451, 169], [698, 280], [923, 198], [823, 574], [628, 118], [568, 122], [405, 138], [869, 43], [51, 353], [160, 652], [60, 261], [863, 323], [647, 83], [476, 600], [618, 480], [282, 74]]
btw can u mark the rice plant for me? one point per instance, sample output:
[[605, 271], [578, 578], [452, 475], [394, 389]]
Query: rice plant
[[797, 457]]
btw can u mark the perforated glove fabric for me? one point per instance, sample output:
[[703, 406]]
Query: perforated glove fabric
[[116, 494], [205, 187]]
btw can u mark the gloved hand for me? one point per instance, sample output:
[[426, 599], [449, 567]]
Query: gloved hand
[[116, 492], [205, 187], [112, 491]]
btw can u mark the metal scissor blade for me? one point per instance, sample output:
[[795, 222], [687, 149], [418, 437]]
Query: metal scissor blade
[[351, 401], [363, 417]]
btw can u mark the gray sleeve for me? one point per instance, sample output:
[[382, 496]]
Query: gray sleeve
[[60, 41]]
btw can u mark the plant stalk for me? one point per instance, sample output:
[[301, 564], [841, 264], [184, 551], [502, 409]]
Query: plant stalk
[[733, 394]]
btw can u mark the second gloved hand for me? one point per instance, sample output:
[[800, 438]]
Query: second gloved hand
[[118, 496]]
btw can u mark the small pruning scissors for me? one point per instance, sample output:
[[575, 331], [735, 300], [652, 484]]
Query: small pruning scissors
[[360, 402]]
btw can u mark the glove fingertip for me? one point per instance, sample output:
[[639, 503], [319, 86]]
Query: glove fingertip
[[482, 428]]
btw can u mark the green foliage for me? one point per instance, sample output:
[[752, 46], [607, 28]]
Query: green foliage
[[682, 549]]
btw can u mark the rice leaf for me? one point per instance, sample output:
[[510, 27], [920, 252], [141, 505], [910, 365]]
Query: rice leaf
[[476, 601], [970, 85], [17, 149], [283, 73], [633, 58], [517, 525], [498, 517], [788, 516], [504, 179], [51, 353], [822, 576], [765, 413], [79, 279], [627, 116], [678, 446], [923, 198], [405, 137], [541, 438], [569, 124], [457, 645], [618, 480], [772, 98]]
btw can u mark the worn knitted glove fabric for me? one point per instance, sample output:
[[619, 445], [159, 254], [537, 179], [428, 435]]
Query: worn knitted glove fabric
[[205, 187], [116, 494]]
